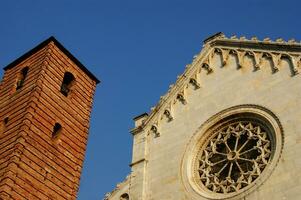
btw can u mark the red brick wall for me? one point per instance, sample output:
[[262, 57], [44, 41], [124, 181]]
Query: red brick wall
[[33, 165]]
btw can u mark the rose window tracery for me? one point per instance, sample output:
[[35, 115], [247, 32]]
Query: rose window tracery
[[234, 157]]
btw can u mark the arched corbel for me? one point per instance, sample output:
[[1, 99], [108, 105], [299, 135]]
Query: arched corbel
[[217, 50], [240, 57], [258, 60], [208, 59], [167, 114], [155, 131], [275, 60], [207, 68], [293, 63], [225, 56], [255, 58], [181, 98], [194, 82]]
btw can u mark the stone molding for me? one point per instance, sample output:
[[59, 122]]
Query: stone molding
[[276, 51]]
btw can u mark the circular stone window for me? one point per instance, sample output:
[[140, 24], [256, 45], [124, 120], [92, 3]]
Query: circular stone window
[[232, 153]]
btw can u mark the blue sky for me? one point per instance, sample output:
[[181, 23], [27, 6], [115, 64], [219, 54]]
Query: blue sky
[[137, 48]]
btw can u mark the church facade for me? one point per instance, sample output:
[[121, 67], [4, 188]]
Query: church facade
[[229, 128]]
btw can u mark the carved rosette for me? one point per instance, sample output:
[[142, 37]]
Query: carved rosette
[[232, 153], [234, 157]]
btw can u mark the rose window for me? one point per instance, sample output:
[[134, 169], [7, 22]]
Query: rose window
[[234, 157]]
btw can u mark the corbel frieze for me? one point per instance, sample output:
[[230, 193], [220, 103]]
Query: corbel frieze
[[191, 76]]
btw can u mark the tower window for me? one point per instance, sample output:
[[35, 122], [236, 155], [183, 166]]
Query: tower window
[[21, 77], [67, 83], [5, 120], [56, 130], [3, 124]]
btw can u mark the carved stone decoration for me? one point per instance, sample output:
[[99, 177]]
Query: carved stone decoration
[[168, 114], [294, 63], [194, 82], [234, 157], [258, 60], [276, 58], [232, 153], [154, 130], [240, 57], [181, 98], [207, 68], [217, 50], [225, 56]]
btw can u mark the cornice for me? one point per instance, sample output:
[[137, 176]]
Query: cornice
[[201, 63]]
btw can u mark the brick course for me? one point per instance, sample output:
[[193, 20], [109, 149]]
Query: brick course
[[33, 165]]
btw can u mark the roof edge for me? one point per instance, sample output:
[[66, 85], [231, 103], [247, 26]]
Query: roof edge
[[140, 116], [219, 40], [214, 36], [61, 47]]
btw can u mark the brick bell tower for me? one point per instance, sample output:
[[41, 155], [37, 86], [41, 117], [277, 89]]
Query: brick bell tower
[[45, 105]]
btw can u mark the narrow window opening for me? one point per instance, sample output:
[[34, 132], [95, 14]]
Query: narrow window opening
[[3, 124], [67, 83], [56, 130], [5, 121], [124, 196], [21, 78]]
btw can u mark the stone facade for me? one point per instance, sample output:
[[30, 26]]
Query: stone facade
[[249, 87], [44, 117]]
